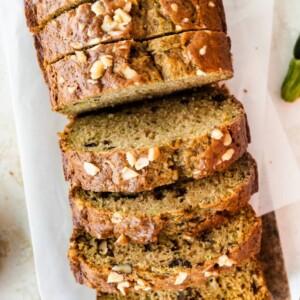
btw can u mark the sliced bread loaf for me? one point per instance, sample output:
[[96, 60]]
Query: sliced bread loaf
[[39, 12], [174, 263], [109, 74], [150, 144], [105, 21], [245, 282], [188, 207]]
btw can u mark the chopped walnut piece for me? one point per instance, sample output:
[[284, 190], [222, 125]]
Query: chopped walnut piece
[[108, 24], [114, 277], [103, 247], [141, 163], [107, 60], [80, 56], [178, 27], [61, 80], [122, 268], [153, 153], [116, 218], [228, 154], [122, 286], [122, 17], [97, 69], [76, 45], [129, 174], [98, 8], [200, 73], [131, 158], [227, 140], [224, 260], [127, 72], [127, 7], [91, 169], [72, 89], [122, 240], [216, 134], [180, 278], [211, 4], [174, 7], [202, 51]]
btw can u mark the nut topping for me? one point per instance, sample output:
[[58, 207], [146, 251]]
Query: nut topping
[[122, 17], [103, 247], [174, 7], [127, 72], [127, 7], [178, 27], [61, 80], [107, 60], [211, 4], [122, 268], [142, 285], [200, 73], [227, 140], [129, 174], [108, 24], [80, 56], [122, 240], [141, 163], [116, 218], [153, 153], [114, 277], [72, 89], [202, 51], [131, 158], [180, 278], [97, 69], [91, 169], [122, 286], [98, 9], [228, 155], [216, 134], [76, 45], [224, 260]]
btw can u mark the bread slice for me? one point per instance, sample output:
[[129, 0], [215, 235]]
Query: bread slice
[[110, 74], [174, 263], [140, 147], [92, 23], [188, 207], [244, 282], [39, 12]]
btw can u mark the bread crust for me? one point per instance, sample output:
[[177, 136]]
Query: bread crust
[[96, 277], [81, 28], [39, 12], [160, 66], [143, 228]]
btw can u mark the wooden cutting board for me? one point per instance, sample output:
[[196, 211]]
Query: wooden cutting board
[[271, 257]]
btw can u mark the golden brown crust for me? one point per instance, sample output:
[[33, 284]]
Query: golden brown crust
[[39, 12], [143, 228], [81, 28], [160, 66], [96, 277]]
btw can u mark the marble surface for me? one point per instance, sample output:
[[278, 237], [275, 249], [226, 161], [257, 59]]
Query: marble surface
[[17, 274]]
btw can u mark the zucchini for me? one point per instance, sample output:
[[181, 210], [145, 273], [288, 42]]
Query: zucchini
[[290, 89]]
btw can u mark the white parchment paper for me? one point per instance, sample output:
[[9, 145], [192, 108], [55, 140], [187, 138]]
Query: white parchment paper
[[249, 24]]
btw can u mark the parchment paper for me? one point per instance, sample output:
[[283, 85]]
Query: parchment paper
[[46, 192]]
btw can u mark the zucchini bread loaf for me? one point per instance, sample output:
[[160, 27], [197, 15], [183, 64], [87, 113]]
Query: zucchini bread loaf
[[109, 74], [188, 207], [173, 263], [105, 21], [155, 143], [244, 282]]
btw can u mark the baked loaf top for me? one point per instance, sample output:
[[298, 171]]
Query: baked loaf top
[[174, 263], [150, 144], [39, 12], [110, 20], [244, 282], [110, 74], [188, 207]]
